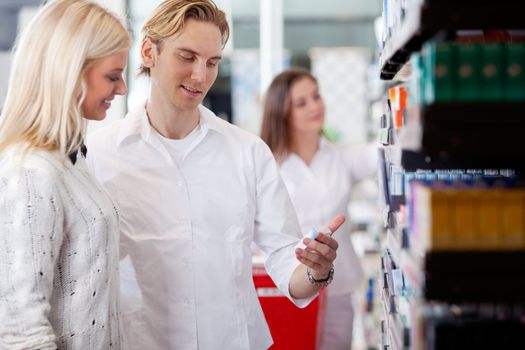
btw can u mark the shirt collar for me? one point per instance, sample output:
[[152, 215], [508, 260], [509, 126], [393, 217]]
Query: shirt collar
[[137, 123], [132, 123], [292, 157], [211, 122]]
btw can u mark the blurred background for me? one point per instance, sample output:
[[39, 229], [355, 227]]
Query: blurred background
[[335, 39]]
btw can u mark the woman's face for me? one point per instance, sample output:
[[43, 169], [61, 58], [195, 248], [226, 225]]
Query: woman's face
[[307, 106], [104, 81]]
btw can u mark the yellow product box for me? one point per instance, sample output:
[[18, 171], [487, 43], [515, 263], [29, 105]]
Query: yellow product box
[[433, 218], [421, 218], [464, 219], [443, 208], [421, 241], [512, 223], [488, 219]]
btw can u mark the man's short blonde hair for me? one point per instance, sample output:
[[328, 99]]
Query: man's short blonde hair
[[169, 18]]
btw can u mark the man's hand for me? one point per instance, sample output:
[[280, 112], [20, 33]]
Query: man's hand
[[319, 254]]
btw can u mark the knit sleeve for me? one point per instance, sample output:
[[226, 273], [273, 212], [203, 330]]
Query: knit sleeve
[[31, 233]]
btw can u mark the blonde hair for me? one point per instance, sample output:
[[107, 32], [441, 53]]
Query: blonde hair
[[46, 87], [169, 17]]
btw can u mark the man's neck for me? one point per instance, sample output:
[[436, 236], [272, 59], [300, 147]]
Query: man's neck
[[169, 121]]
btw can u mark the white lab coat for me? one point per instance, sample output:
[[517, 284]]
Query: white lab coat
[[319, 192], [186, 233], [322, 190]]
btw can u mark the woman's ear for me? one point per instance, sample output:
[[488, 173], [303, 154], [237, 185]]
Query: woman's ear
[[148, 53]]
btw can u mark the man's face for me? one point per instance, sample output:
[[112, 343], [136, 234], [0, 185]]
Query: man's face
[[187, 65]]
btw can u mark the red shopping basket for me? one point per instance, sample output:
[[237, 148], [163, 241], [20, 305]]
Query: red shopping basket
[[291, 327]]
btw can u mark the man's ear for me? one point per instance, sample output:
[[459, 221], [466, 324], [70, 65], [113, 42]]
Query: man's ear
[[148, 53]]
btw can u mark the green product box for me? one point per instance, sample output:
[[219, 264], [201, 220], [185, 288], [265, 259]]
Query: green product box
[[439, 61], [468, 72], [416, 85], [491, 73], [514, 74], [427, 56]]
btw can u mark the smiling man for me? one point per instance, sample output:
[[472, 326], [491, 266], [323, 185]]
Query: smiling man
[[194, 192]]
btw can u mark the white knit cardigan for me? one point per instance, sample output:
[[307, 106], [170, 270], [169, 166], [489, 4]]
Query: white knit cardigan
[[58, 255]]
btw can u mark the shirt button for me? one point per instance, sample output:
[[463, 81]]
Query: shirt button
[[179, 183]]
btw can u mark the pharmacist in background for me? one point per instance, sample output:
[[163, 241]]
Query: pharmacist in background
[[194, 192], [319, 176]]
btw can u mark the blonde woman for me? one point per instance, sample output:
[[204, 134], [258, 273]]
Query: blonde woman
[[58, 228]]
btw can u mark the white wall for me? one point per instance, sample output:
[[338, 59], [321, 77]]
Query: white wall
[[311, 8], [5, 63], [342, 76], [24, 16]]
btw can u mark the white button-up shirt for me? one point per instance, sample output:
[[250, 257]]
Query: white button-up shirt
[[322, 190], [186, 232]]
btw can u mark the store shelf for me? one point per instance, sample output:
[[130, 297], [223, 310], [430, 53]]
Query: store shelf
[[482, 328], [393, 243], [468, 135], [412, 268], [413, 161], [397, 332], [441, 16], [475, 276], [448, 299], [410, 265]]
